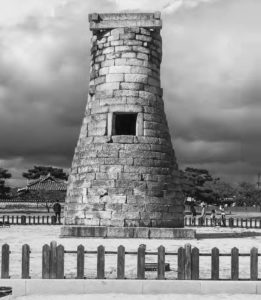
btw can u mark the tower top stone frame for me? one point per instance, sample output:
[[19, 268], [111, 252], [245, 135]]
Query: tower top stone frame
[[124, 173]]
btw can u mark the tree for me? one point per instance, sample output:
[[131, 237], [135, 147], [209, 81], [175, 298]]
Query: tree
[[223, 190], [247, 194], [39, 171], [4, 190], [193, 184]]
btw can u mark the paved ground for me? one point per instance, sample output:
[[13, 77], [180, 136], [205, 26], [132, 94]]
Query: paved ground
[[142, 297], [37, 236]]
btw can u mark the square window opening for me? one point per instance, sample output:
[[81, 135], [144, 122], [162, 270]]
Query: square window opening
[[124, 123]]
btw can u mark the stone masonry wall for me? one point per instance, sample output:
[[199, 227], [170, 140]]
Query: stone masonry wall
[[125, 180]]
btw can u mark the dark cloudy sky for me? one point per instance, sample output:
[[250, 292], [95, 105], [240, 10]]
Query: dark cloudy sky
[[211, 75]]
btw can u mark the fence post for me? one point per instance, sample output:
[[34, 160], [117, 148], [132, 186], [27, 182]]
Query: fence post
[[53, 260], [23, 220], [254, 264], [25, 261], [141, 262], [188, 262], [60, 262], [161, 262], [181, 263], [231, 222], [234, 264], [121, 263], [46, 262], [195, 264], [80, 262], [5, 261], [100, 262], [215, 264]]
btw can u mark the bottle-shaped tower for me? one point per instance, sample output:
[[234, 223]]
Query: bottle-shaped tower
[[124, 171]]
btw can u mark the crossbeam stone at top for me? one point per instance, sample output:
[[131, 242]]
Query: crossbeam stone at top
[[117, 20]]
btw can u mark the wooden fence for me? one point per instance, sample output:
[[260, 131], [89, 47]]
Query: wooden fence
[[28, 220], [228, 222], [188, 262], [188, 221]]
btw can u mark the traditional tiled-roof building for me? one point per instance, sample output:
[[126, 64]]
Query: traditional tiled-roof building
[[45, 189]]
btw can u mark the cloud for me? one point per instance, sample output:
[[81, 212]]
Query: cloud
[[210, 75]]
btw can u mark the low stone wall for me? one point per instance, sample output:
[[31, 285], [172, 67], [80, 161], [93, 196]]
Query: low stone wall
[[127, 232], [26, 287]]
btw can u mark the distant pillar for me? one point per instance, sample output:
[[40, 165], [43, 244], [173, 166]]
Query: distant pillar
[[124, 171]]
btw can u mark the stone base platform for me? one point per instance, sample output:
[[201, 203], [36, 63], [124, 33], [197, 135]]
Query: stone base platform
[[126, 232]]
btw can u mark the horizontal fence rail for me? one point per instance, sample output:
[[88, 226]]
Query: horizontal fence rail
[[28, 220], [227, 222], [6, 220], [188, 262], [33, 200]]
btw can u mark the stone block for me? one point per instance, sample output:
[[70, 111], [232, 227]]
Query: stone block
[[114, 56], [99, 58], [136, 62], [114, 37], [115, 169], [131, 86], [114, 77], [227, 287], [119, 69], [143, 56], [89, 222], [141, 232], [131, 223], [118, 161], [154, 82], [107, 63], [128, 55], [104, 70], [132, 43], [121, 62], [103, 183], [124, 139], [172, 287], [127, 93], [144, 38], [121, 199], [117, 43], [127, 36], [141, 70], [114, 207], [109, 85], [106, 176], [140, 49], [108, 50], [171, 233], [53, 287], [120, 191], [145, 31], [136, 78], [119, 232]]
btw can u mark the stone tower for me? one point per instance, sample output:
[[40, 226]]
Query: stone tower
[[124, 172]]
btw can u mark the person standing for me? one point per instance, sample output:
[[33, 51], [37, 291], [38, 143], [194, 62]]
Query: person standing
[[193, 212], [223, 215], [213, 217], [203, 214], [57, 210]]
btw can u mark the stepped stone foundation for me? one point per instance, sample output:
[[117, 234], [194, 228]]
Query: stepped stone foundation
[[124, 171]]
